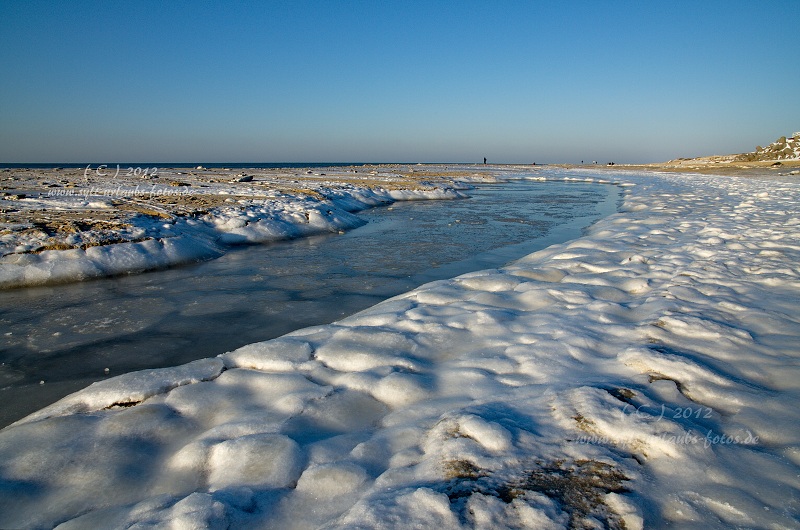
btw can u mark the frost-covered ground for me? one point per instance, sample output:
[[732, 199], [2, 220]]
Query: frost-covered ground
[[645, 374], [70, 225]]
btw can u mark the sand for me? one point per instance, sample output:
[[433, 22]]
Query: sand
[[712, 165]]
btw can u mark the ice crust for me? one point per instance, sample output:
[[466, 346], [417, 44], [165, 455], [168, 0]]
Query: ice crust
[[646, 374]]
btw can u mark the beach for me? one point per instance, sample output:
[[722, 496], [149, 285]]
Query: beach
[[712, 165], [389, 266], [629, 378], [71, 224]]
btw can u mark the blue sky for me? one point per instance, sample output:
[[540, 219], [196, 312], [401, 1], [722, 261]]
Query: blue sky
[[394, 81]]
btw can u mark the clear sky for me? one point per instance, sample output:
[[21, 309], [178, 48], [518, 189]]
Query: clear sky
[[428, 81]]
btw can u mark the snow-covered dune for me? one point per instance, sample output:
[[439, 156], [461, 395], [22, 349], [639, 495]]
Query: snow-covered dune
[[645, 374]]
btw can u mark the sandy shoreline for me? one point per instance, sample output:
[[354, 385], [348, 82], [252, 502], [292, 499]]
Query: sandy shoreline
[[170, 192], [70, 224], [715, 165], [60, 225]]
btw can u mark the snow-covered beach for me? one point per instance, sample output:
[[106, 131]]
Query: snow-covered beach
[[643, 375], [67, 225]]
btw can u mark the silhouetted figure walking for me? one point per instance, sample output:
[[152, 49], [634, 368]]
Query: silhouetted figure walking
[[484, 160]]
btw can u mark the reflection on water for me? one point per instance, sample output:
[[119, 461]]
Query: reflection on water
[[67, 336]]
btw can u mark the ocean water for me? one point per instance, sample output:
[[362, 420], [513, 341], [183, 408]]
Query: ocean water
[[62, 338], [231, 165]]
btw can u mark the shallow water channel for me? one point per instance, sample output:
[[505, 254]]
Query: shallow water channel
[[56, 340]]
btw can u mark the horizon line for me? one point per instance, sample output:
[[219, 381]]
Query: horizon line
[[192, 165]]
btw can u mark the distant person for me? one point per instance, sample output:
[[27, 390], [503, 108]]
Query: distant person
[[484, 160]]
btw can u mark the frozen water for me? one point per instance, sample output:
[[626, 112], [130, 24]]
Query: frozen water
[[68, 335]]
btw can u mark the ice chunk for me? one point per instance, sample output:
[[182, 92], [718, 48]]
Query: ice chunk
[[266, 460], [331, 480], [130, 389], [278, 355]]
